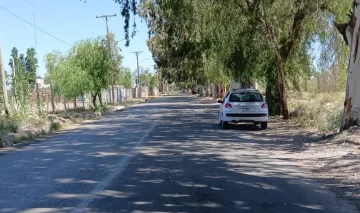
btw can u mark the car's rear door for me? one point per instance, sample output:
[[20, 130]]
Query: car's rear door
[[245, 102]]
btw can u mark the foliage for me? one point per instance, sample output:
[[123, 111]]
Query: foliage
[[153, 81], [31, 64], [101, 109], [23, 79], [126, 77], [200, 41], [55, 126], [115, 66], [91, 56], [147, 78], [322, 111], [87, 67], [9, 125]]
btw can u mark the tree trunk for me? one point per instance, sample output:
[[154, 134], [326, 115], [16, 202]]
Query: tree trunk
[[100, 99], [281, 75], [282, 89], [13, 85], [65, 107], [280, 62], [4, 89], [351, 34], [272, 91], [75, 103], [93, 96], [112, 94], [208, 90], [218, 90], [38, 101], [273, 98], [83, 101], [221, 92], [52, 98]]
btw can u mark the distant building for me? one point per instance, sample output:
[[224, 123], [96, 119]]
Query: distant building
[[42, 84]]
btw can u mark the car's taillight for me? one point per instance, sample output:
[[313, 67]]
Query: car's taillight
[[228, 105], [264, 105]]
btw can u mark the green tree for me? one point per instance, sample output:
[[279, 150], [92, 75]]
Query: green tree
[[195, 40], [111, 42], [126, 77], [52, 61], [71, 78], [153, 82], [92, 57], [20, 83], [31, 64]]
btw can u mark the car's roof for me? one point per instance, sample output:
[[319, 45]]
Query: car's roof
[[245, 90]]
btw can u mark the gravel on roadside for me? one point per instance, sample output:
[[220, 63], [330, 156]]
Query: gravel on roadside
[[334, 160]]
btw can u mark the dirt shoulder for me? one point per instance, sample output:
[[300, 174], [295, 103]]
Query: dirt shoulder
[[334, 160], [58, 122]]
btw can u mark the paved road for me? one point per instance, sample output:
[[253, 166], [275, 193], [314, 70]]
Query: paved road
[[164, 156]]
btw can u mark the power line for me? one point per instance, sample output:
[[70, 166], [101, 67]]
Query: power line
[[34, 26], [45, 14], [41, 11]]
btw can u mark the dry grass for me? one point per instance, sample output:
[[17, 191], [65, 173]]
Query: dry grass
[[322, 111]]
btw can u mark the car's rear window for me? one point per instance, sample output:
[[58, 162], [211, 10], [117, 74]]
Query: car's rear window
[[246, 97]]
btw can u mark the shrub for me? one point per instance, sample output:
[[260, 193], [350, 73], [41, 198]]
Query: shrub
[[9, 125], [55, 126], [101, 109], [322, 111]]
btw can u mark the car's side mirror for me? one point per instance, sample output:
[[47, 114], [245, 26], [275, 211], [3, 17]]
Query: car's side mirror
[[220, 101]]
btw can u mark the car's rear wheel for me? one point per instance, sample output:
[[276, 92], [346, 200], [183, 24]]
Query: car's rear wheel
[[264, 125], [224, 124]]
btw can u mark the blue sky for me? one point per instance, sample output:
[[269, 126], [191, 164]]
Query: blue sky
[[70, 21]]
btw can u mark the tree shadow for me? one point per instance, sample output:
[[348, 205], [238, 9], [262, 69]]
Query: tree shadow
[[187, 164]]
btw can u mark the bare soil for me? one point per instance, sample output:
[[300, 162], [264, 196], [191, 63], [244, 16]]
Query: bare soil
[[333, 160]]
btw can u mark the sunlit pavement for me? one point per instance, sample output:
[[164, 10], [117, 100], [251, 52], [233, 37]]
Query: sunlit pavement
[[167, 155]]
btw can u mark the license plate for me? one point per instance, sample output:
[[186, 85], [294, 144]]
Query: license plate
[[245, 108]]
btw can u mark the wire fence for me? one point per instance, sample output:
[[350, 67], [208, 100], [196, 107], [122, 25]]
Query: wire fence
[[43, 100]]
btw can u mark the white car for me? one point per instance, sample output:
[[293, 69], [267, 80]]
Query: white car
[[243, 105]]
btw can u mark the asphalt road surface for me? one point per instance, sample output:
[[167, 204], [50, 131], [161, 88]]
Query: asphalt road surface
[[165, 156]]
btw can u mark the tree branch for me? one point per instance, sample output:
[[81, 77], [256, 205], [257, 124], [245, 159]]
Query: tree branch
[[342, 29], [295, 35]]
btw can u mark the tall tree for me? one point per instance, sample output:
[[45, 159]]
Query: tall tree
[[92, 57], [52, 61], [352, 100], [31, 64], [3, 83], [115, 71], [126, 77], [20, 81]]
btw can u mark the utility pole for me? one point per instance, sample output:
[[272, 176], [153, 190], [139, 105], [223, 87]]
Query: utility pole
[[107, 18], [137, 62], [36, 79], [4, 89]]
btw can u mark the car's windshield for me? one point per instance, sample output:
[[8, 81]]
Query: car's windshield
[[246, 97]]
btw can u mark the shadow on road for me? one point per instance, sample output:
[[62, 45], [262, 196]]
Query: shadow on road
[[187, 164]]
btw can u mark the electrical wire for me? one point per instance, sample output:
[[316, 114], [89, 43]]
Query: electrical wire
[[45, 14], [34, 26]]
